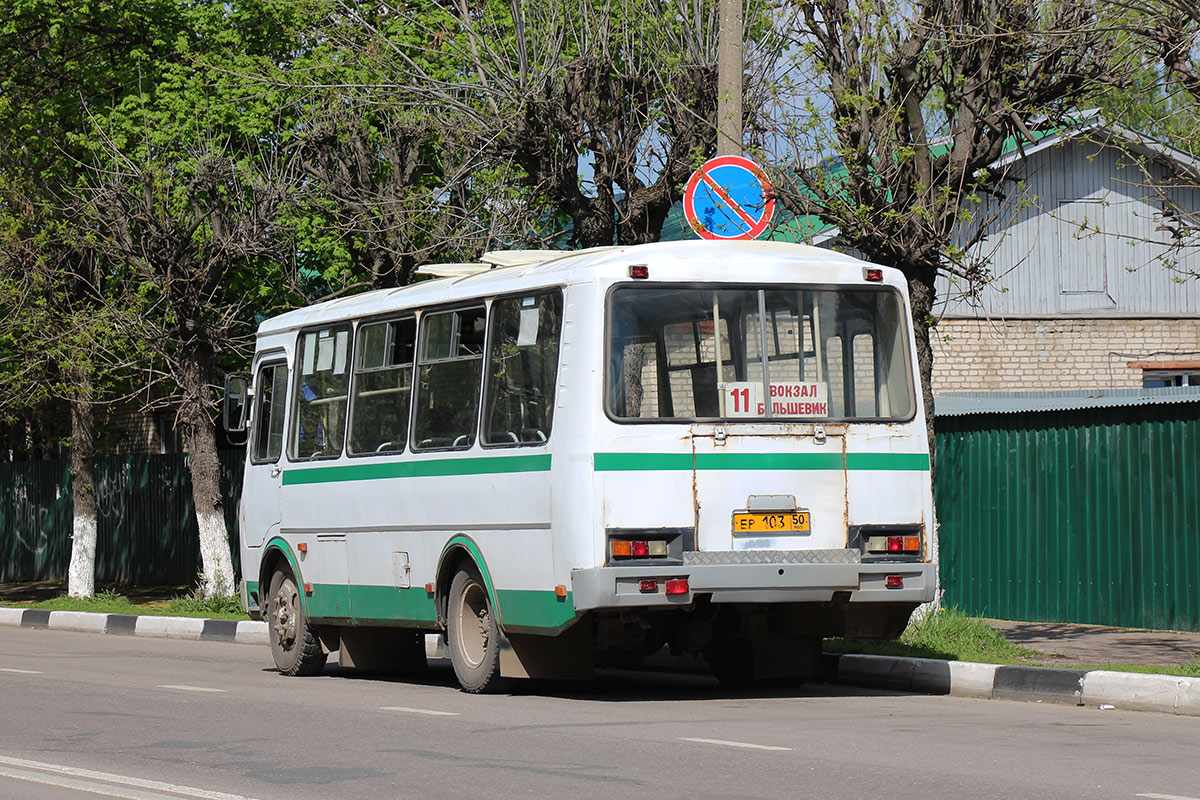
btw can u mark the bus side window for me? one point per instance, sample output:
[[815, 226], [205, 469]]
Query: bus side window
[[522, 369], [382, 387], [449, 367], [268, 413], [319, 421]]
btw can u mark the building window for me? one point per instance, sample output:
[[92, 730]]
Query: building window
[[1158, 374]]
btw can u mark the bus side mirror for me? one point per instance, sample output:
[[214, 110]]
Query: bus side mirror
[[233, 411]]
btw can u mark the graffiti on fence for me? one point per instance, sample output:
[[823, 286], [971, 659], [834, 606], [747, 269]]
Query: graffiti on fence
[[112, 489], [29, 521]]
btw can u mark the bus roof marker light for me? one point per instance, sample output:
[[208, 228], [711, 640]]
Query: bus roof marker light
[[873, 274], [639, 271]]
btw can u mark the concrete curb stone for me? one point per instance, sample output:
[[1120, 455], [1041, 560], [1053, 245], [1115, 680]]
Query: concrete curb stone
[[1123, 690], [191, 628], [1128, 691]]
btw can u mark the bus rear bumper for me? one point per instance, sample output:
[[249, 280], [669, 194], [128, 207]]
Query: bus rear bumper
[[640, 586]]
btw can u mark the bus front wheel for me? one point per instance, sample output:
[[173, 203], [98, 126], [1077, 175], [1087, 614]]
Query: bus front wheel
[[294, 642], [474, 635]]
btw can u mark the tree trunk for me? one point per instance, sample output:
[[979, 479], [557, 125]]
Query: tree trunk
[[216, 576], [922, 294], [81, 575]]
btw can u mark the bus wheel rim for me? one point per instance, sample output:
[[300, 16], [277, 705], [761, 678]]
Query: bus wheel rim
[[474, 626]]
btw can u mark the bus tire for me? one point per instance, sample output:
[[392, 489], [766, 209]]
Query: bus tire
[[295, 644], [474, 635]]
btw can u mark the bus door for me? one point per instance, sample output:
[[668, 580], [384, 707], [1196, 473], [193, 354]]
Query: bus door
[[262, 484]]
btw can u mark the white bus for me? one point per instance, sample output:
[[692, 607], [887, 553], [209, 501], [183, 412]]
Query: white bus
[[557, 458]]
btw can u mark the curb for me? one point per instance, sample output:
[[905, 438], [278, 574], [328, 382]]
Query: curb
[[1128, 691], [194, 628]]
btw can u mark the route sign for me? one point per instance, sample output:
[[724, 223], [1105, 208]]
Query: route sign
[[729, 197]]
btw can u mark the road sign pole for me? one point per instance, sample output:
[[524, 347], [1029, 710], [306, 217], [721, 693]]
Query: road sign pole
[[729, 78]]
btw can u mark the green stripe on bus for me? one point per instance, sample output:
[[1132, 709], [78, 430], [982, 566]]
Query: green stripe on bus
[[522, 610], [911, 462], [384, 604], [625, 462], [643, 462], [490, 465], [535, 611]]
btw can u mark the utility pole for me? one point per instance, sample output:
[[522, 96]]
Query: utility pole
[[729, 79]]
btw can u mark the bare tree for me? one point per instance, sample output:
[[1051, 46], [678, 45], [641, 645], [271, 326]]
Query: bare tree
[[197, 239], [1162, 37], [404, 189], [563, 88], [892, 114]]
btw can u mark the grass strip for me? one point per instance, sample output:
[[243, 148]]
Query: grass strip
[[111, 602], [950, 635]]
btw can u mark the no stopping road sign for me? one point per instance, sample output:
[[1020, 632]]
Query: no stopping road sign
[[729, 197]]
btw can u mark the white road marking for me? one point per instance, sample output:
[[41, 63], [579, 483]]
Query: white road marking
[[734, 744], [86, 780], [20, 671], [183, 688], [430, 712], [1152, 796]]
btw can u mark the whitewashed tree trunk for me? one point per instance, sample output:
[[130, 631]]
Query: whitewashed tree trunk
[[81, 574], [216, 559]]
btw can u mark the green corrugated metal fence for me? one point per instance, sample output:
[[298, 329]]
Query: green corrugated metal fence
[[1069, 516], [1089, 516], [146, 527]]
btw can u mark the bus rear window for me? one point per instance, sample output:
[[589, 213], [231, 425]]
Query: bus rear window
[[749, 353]]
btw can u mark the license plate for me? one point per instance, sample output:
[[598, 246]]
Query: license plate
[[779, 522]]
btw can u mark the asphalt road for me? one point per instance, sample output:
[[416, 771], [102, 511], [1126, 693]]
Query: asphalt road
[[87, 715]]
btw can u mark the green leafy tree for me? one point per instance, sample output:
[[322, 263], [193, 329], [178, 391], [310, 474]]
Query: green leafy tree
[[57, 61]]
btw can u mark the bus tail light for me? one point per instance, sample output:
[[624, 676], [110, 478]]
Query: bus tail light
[[894, 581], [894, 545], [638, 548]]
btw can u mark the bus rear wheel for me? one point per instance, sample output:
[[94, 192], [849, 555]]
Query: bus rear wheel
[[474, 635], [295, 644]]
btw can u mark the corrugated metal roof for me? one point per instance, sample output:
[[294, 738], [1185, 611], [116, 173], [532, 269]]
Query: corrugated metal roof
[[960, 404]]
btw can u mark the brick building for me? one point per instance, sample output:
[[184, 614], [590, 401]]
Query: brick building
[[1087, 292]]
